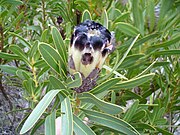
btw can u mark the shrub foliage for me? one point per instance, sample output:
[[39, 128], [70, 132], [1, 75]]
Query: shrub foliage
[[137, 92]]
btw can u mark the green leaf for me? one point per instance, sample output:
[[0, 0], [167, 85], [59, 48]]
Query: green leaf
[[138, 115], [62, 10], [137, 12], [40, 63], [131, 111], [50, 56], [68, 30], [113, 97], [82, 4], [165, 6], [59, 43], [63, 94], [145, 39], [25, 43], [134, 82], [38, 110], [34, 28], [56, 83], [114, 72], [147, 69], [111, 122], [122, 59], [162, 63], [133, 95], [144, 126], [102, 105], [160, 121], [164, 132], [166, 43], [44, 35], [8, 56], [33, 50], [66, 117], [11, 2], [29, 86], [104, 19], [9, 69], [122, 17], [113, 12], [15, 21], [24, 75], [130, 60], [105, 85], [17, 50], [150, 14], [80, 128], [76, 82], [50, 127], [86, 16], [37, 126], [167, 52], [90, 105], [127, 29]]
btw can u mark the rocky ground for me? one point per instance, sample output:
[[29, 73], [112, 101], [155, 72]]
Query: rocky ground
[[9, 119]]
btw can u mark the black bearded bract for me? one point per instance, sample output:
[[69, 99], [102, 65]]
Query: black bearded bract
[[90, 45]]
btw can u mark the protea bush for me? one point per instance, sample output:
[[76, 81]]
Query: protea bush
[[137, 88]]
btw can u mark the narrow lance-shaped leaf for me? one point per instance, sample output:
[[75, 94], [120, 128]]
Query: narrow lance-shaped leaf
[[164, 132], [37, 126], [8, 56], [68, 30], [38, 110], [105, 19], [66, 117], [15, 21], [105, 85], [134, 82], [151, 14], [115, 72], [56, 83], [138, 15], [127, 29], [130, 60], [23, 74], [17, 50], [122, 17], [44, 35], [112, 122], [138, 115], [102, 105], [9, 69], [50, 127], [167, 52], [76, 82], [144, 126], [143, 40], [59, 43], [50, 56], [86, 16], [166, 43], [33, 49], [147, 69], [131, 111], [90, 105], [80, 128], [13, 2], [25, 43], [123, 58]]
